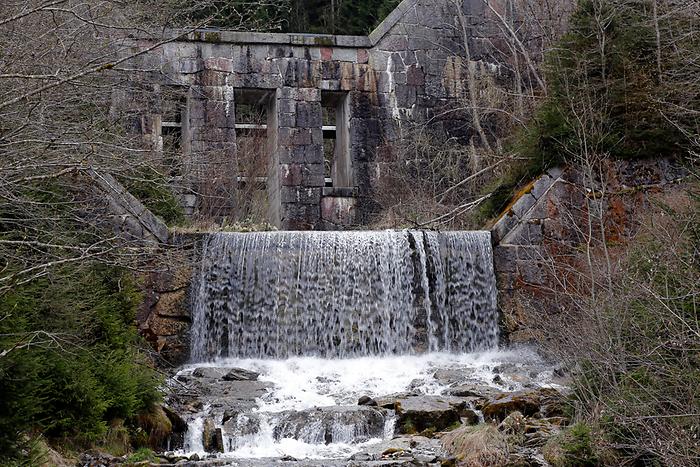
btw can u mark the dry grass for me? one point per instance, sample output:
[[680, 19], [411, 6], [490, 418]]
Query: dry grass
[[477, 446]]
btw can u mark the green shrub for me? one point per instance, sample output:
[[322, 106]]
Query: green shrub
[[152, 189], [73, 361], [142, 454], [607, 97], [572, 448]]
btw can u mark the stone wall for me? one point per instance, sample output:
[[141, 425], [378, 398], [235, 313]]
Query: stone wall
[[547, 228], [164, 316], [405, 72]]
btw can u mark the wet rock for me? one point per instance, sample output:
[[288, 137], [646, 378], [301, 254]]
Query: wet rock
[[419, 413], [552, 403], [447, 376], [212, 437], [411, 449], [241, 424], [336, 424], [366, 400], [498, 409], [388, 402], [474, 390], [240, 374], [469, 416], [528, 403], [209, 372], [179, 424]]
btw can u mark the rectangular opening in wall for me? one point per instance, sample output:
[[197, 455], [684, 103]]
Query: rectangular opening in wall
[[336, 136], [252, 108], [173, 111]]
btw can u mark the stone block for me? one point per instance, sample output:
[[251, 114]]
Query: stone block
[[362, 56], [300, 217], [505, 281], [541, 186], [534, 253], [344, 55], [190, 65], [522, 205], [309, 115], [415, 76], [393, 43], [555, 172], [338, 211], [329, 85], [531, 272], [384, 82], [307, 175], [330, 71], [219, 64], [213, 78], [378, 59], [525, 233], [306, 154], [395, 63], [294, 136], [214, 134], [502, 226], [309, 94], [285, 105], [287, 92], [405, 96], [504, 258], [286, 120], [285, 51]]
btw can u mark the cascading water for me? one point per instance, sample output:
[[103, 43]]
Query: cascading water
[[343, 294], [326, 317]]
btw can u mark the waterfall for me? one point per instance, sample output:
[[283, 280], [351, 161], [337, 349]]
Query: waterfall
[[343, 294]]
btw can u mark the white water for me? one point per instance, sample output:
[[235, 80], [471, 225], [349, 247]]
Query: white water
[[302, 383], [282, 303], [343, 294]]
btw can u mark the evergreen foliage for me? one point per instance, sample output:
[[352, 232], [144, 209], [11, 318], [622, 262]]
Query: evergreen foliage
[[300, 16], [338, 16], [87, 370], [614, 91]]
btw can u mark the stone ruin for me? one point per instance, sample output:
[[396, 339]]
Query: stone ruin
[[299, 122]]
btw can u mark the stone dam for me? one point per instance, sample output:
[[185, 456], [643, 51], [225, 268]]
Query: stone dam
[[330, 347]]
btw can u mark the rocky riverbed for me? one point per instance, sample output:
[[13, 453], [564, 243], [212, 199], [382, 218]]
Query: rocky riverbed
[[386, 411]]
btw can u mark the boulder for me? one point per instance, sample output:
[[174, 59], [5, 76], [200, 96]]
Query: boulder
[[212, 438], [366, 400], [335, 424], [209, 372], [541, 402], [476, 390], [240, 374], [434, 413], [179, 424]]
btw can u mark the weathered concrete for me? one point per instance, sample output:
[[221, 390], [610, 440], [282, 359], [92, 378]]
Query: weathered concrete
[[129, 216]]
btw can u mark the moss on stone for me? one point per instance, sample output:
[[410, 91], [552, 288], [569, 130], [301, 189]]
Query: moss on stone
[[212, 37], [326, 41]]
